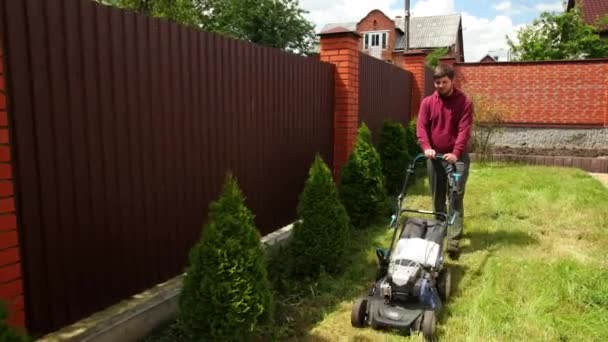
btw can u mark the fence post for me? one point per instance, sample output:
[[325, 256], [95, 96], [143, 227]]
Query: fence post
[[11, 288], [341, 48], [414, 62]]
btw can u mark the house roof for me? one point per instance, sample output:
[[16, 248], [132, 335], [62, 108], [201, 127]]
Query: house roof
[[592, 10], [426, 32], [429, 32], [489, 58]]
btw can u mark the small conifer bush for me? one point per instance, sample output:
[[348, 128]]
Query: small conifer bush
[[226, 292], [320, 236], [411, 139], [7, 333], [362, 182], [394, 155]]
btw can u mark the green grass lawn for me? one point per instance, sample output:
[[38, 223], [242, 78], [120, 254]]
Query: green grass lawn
[[534, 265]]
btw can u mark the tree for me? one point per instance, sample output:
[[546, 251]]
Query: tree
[[558, 36], [362, 183], [393, 154], [274, 23], [185, 12], [433, 58], [226, 291], [320, 239]]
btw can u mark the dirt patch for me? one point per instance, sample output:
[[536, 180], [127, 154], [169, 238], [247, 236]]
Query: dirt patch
[[557, 151], [602, 177]]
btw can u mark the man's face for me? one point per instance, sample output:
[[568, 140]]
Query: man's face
[[444, 86]]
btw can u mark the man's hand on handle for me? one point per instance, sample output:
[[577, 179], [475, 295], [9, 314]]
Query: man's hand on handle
[[430, 153], [449, 157]]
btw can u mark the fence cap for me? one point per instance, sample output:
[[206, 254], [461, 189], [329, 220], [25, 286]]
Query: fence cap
[[339, 30]]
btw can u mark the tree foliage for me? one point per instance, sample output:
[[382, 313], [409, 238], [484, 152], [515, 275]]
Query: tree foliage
[[275, 23], [489, 117], [558, 36], [362, 182], [394, 155], [320, 238], [7, 333], [226, 292], [433, 58]]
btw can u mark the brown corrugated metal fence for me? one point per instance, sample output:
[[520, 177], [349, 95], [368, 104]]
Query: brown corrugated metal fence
[[124, 128], [429, 81], [385, 92]]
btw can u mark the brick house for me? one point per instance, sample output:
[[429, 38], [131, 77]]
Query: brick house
[[592, 11], [488, 59], [384, 38]]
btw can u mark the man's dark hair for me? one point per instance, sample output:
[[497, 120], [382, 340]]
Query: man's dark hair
[[443, 70]]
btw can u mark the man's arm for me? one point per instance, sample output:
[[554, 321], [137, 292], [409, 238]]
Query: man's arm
[[464, 129], [423, 126]]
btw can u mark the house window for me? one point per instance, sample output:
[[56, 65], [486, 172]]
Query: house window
[[372, 39]]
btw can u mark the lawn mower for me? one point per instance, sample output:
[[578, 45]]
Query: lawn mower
[[412, 280]]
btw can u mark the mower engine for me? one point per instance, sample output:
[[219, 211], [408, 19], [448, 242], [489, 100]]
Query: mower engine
[[403, 281]]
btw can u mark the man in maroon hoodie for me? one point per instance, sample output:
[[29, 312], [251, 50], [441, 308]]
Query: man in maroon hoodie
[[444, 127]]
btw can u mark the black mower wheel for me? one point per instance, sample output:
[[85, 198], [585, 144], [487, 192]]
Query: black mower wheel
[[429, 322], [357, 315], [454, 249], [444, 284]]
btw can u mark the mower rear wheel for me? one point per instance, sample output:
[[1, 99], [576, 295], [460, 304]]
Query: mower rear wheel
[[429, 322], [357, 315], [444, 283]]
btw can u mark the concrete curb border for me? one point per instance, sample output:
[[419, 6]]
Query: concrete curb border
[[138, 316]]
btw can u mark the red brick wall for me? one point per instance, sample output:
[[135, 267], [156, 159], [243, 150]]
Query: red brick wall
[[382, 23], [342, 50], [554, 93], [11, 288], [415, 63]]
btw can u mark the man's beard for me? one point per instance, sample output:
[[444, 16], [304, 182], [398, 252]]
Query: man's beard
[[446, 93]]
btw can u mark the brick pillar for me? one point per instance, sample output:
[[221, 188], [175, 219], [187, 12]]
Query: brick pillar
[[341, 48], [414, 62], [447, 60], [11, 288]]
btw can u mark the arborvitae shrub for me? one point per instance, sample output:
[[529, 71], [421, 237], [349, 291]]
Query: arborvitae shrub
[[320, 236], [7, 333], [362, 182], [226, 291], [394, 155], [411, 140]]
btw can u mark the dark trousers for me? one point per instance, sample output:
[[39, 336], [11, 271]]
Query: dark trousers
[[439, 185]]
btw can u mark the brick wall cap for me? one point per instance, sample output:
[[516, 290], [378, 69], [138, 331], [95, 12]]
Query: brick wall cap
[[339, 31], [562, 61]]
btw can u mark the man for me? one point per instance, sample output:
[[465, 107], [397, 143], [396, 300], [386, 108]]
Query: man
[[444, 127]]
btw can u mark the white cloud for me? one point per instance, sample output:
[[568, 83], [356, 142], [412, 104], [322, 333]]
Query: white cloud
[[550, 7], [482, 36], [337, 11], [433, 7], [503, 6]]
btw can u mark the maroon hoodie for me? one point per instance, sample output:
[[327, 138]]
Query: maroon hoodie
[[444, 124]]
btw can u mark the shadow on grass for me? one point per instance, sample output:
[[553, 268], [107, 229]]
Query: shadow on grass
[[492, 240], [301, 304]]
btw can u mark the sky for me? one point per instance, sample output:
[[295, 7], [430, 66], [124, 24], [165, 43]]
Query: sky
[[484, 26]]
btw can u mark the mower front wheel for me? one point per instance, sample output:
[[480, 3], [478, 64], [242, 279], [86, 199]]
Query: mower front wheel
[[429, 322], [444, 283], [358, 313]]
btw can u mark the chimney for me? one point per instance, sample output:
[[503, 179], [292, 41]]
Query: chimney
[[407, 26]]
